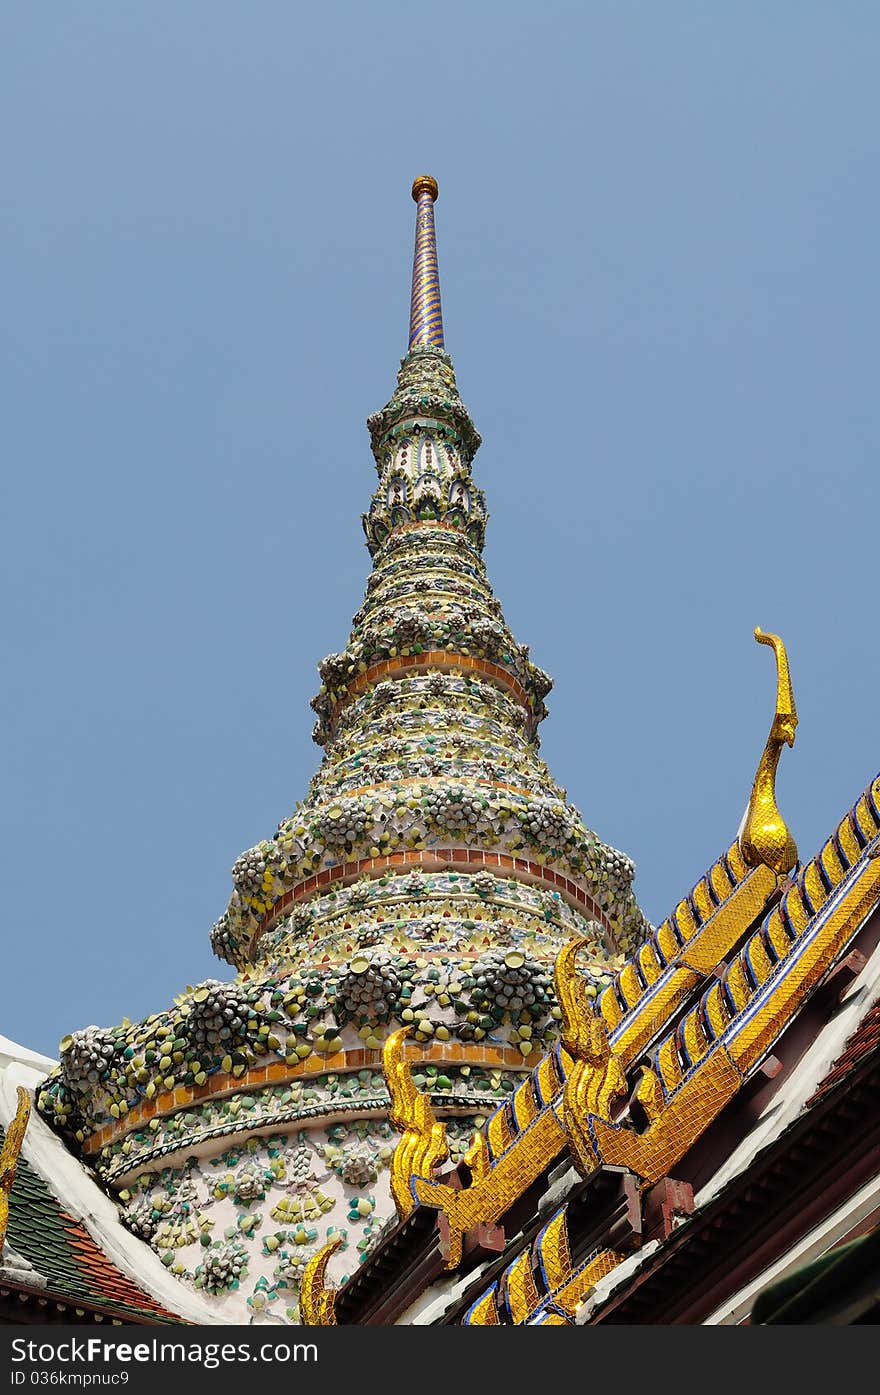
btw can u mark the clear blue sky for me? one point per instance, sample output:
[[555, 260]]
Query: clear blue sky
[[658, 231]]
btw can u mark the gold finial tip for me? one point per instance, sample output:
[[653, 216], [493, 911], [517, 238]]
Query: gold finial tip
[[426, 183]]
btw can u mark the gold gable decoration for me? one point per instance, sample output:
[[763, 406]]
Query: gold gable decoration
[[317, 1301], [596, 1078], [423, 1144], [9, 1156], [701, 1064], [516, 1298], [698, 1065], [765, 837]]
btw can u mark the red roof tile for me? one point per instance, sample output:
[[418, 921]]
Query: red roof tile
[[864, 1040], [73, 1265]]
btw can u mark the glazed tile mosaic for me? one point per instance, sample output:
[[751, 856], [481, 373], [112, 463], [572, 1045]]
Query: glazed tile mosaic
[[426, 882]]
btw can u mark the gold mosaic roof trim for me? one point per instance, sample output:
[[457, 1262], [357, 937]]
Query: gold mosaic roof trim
[[651, 985], [423, 1143], [696, 1069], [541, 1285]]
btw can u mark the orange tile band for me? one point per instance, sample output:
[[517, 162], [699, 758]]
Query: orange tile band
[[431, 659], [279, 1073], [433, 860]]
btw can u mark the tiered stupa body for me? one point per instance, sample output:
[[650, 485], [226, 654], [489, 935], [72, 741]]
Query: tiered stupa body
[[429, 878]]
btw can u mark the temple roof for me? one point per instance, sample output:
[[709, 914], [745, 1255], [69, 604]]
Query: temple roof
[[799, 1178], [839, 1287], [50, 1255], [67, 1256]]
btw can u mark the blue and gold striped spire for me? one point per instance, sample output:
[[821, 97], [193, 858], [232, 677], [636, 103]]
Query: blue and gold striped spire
[[426, 314]]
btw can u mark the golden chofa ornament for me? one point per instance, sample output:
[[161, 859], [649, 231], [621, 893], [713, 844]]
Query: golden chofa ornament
[[765, 836]]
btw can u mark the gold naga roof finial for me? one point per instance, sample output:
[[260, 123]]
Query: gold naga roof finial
[[9, 1156], [765, 836], [426, 313], [317, 1301], [423, 1143], [596, 1078]]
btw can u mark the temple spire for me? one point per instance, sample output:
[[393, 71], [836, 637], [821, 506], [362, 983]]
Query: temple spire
[[426, 314]]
